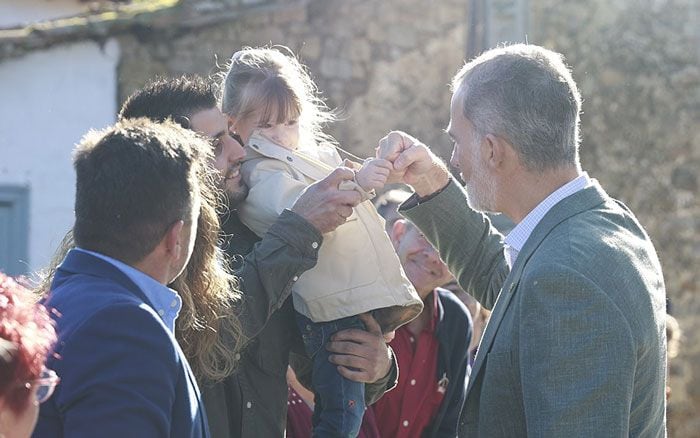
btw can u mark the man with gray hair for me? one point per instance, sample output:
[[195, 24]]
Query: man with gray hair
[[575, 345]]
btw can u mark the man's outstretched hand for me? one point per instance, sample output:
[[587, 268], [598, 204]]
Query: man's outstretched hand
[[413, 163], [324, 205]]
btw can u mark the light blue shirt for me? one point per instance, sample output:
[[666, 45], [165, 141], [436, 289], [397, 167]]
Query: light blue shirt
[[165, 301], [518, 236]]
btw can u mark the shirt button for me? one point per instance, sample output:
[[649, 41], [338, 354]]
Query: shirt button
[[412, 339], [314, 245], [290, 159], [161, 312], [238, 356], [413, 382], [295, 278], [248, 405], [173, 303], [405, 423]]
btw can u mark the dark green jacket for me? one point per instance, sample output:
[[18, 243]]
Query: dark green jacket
[[253, 401]]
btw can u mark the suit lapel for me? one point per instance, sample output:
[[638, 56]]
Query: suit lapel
[[570, 206]]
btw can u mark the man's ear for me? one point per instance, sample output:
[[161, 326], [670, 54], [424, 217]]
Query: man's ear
[[175, 247], [499, 151], [398, 230]]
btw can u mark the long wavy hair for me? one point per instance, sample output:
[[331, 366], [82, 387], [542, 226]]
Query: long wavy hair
[[207, 328]]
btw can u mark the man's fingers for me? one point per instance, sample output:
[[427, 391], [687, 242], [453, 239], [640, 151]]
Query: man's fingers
[[409, 156], [382, 163], [346, 360], [404, 140], [362, 355], [339, 175], [347, 348], [391, 145], [383, 171], [360, 376], [371, 324], [352, 335], [347, 198], [352, 367], [403, 161], [344, 211], [395, 176]]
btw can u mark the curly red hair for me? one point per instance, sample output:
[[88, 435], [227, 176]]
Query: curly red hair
[[27, 336]]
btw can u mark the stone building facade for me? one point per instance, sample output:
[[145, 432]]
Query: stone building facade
[[383, 64], [387, 63]]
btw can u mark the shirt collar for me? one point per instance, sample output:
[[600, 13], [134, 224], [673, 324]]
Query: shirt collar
[[515, 240], [165, 301]]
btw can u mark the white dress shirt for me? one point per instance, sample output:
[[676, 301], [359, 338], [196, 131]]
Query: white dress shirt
[[515, 240]]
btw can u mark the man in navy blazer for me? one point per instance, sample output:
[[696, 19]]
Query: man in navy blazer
[[122, 371]]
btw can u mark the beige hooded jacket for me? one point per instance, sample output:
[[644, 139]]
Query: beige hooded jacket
[[357, 270]]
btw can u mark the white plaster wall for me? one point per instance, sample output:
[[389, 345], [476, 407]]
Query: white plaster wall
[[48, 100], [15, 13]]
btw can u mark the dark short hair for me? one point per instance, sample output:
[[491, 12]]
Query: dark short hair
[[171, 98], [134, 180]]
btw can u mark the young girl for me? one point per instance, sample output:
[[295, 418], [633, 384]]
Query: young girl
[[273, 105]]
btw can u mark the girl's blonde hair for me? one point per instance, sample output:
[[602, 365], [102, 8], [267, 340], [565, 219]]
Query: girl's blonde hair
[[271, 82], [207, 328]]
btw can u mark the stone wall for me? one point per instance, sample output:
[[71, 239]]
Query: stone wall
[[383, 64], [386, 64], [637, 64]]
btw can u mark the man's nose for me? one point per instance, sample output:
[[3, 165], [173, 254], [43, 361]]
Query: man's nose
[[432, 254], [234, 149], [433, 260]]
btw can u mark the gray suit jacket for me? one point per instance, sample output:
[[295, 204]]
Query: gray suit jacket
[[576, 343]]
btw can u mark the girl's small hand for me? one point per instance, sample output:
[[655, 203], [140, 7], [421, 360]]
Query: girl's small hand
[[373, 174]]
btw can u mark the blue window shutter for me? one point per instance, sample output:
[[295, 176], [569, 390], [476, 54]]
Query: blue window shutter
[[14, 229]]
